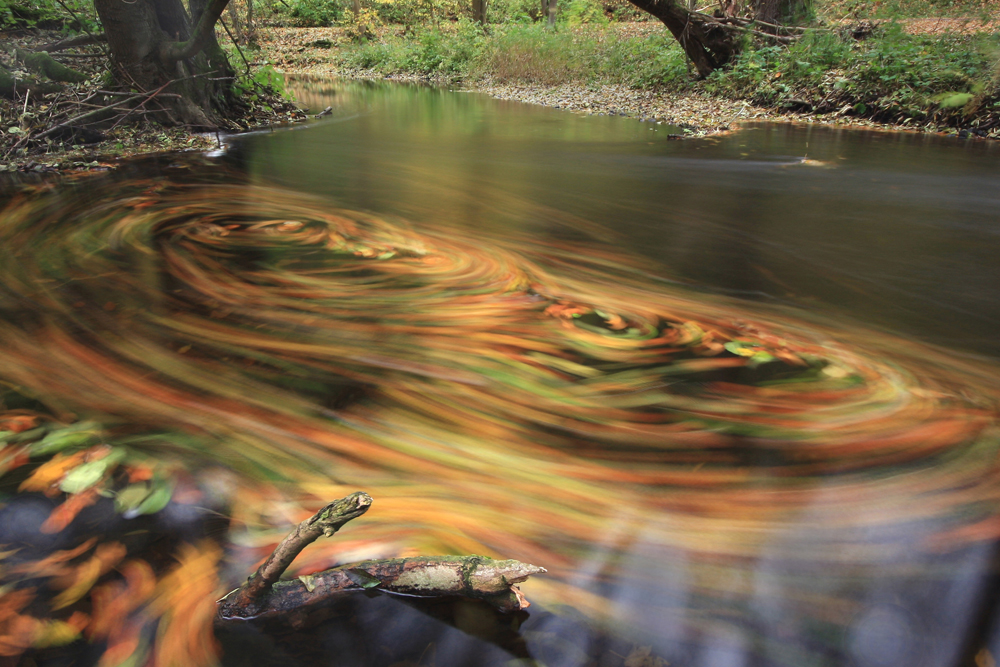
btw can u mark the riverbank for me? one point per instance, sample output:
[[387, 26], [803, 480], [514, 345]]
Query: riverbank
[[921, 75], [60, 131]]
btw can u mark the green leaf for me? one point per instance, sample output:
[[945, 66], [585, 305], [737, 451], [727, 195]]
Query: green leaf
[[85, 476], [162, 492], [144, 498], [130, 497]]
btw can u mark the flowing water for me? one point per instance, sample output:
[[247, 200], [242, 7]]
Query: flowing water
[[739, 395]]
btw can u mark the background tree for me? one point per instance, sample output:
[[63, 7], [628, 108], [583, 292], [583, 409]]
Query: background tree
[[479, 11]]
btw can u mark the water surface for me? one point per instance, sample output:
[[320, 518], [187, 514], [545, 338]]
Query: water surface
[[738, 395]]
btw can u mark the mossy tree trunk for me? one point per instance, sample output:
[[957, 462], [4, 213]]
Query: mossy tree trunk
[[155, 45]]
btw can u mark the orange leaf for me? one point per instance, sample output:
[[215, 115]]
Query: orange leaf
[[50, 473], [64, 514]]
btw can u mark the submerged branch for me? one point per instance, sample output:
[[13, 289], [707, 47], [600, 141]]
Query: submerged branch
[[476, 577]]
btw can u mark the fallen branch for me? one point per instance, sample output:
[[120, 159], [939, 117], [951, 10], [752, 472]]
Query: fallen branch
[[263, 595], [88, 115], [145, 97], [10, 85], [83, 26], [81, 40]]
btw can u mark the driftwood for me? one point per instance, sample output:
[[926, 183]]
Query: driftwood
[[263, 595]]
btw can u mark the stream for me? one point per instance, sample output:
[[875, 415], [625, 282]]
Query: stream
[[738, 394]]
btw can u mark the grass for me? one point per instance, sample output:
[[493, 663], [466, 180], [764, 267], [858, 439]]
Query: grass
[[527, 54]]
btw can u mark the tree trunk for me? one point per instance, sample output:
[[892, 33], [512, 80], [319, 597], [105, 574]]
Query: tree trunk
[[706, 43], [549, 10], [154, 46], [479, 11]]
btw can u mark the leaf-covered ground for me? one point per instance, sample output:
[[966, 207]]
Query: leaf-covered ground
[[82, 146]]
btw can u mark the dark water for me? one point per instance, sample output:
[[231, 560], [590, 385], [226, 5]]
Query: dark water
[[739, 395]]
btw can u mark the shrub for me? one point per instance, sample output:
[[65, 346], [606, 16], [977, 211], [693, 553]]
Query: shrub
[[891, 77]]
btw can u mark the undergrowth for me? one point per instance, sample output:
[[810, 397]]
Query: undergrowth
[[892, 77]]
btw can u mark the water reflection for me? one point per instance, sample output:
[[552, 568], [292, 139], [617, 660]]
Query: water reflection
[[709, 482]]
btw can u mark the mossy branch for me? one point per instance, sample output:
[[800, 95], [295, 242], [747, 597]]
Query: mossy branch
[[44, 64], [11, 86]]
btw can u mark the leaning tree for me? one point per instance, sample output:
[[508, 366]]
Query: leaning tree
[[159, 46], [711, 40]]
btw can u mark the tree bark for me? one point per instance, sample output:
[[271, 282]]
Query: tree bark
[[153, 44], [707, 43]]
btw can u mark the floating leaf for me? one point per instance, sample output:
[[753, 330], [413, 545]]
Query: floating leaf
[[88, 474]]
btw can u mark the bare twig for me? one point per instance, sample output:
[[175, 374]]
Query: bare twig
[[85, 116], [782, 39]]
